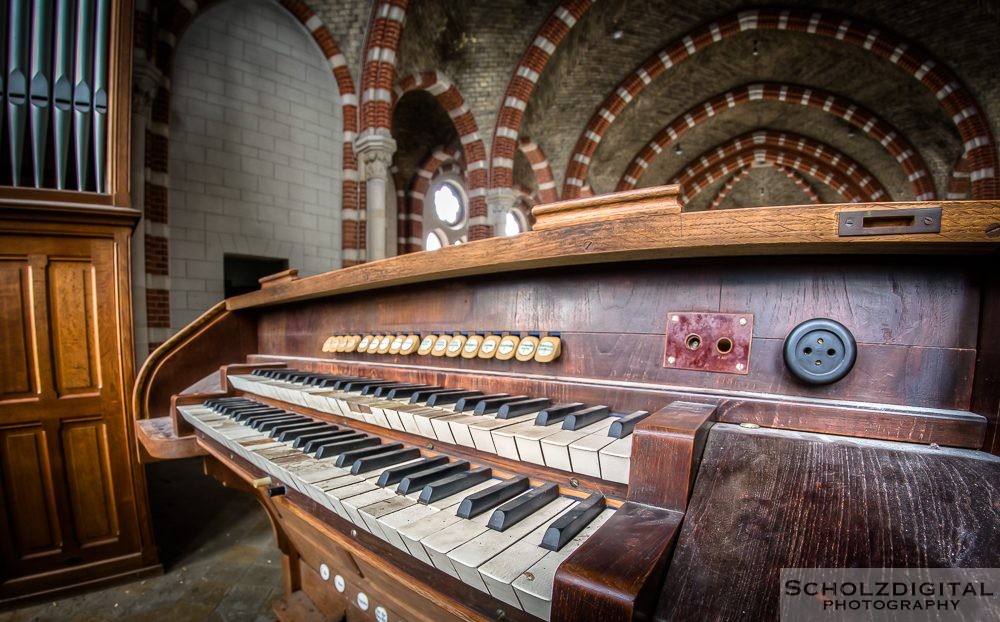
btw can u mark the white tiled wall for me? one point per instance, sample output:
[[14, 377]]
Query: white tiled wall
[[255, 151]]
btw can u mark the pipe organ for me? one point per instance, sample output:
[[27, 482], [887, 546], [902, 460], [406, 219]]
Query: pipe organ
[[56, 63], [723, 395]]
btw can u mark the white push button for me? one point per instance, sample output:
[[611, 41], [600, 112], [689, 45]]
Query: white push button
[[363, 601], [381, 615], [338, 582], [324, 571]]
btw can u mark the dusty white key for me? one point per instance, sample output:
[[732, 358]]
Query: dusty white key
[[396, 503], [583, 454], [615, 459], [425, 421], [387, 409], [555, 448], [406, 417], [392, 523], [482, 430], [500, 572], [347, 491], [459, 425], [322, 402], [528, 438], [438, 545], [241, 382], [354, 504], [442, 430], [468, 557], [534, 587]]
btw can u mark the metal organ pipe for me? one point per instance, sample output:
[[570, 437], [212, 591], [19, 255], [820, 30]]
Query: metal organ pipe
[[40, 86], [17, 83], [62, 92], [83, 89], [101, 92]]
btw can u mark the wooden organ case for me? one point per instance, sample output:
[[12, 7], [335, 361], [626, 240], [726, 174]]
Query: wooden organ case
[[666, 465]]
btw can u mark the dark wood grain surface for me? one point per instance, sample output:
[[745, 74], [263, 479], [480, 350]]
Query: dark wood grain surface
[[768, 499]]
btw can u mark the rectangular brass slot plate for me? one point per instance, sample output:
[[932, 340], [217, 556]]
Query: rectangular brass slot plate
[[889, 222], [714, 342]]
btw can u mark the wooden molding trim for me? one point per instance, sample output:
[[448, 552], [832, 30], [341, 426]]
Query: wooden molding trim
[[607, 206], [655, 234]]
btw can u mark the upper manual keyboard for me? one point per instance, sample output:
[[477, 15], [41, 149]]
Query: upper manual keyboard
[[590, 440]]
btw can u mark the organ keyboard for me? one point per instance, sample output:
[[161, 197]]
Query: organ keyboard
[[686, 410]]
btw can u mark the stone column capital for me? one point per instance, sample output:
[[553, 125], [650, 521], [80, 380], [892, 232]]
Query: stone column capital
[[374, 153], [146, 79]]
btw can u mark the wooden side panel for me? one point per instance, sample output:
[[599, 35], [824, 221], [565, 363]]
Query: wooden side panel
[[89, 481], [28, 494], [769, 499], [17, 358], [72, 314]]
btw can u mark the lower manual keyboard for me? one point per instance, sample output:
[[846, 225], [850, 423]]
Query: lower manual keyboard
[[589, 440], [501, 536]]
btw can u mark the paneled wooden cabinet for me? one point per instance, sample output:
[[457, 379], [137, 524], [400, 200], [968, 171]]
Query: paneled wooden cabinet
[[73, 506]]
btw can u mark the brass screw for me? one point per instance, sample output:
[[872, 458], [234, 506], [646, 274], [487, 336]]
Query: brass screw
[[743, 321], [671, 360], [429, 446], [739, 367], [575, 483], [354, 532]]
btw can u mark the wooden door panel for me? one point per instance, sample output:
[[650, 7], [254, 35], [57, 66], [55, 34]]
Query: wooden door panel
[[17, 357], [73, 326], [28, 493], [89, 481]]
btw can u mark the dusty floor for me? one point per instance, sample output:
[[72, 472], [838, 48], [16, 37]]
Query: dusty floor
[[216, 546]]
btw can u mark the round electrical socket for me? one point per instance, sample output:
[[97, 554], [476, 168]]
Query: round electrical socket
[[820, 351]]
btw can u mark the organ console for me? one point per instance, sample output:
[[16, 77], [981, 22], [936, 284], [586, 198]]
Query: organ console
[[657, 413]]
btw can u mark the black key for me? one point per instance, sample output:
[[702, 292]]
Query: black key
[[262, 371], [453, 484], [624, 425], [571, 523], [394, 475], [313, 445], [493, 404], [477, 503], [305, 421], [585, 417], [424, 394], [516, 409], [555, 414], [450, 397], [408, 393], [372, 389], [267, 426], [243, 415], [348, 457], [380, 461], [293, 433], [330, 450], [235, 411], [359, 385], [256, 420], [469, 403], [510, 513], [218, 401], [416, 481], [331, 432], [343, 382], [384, 390]]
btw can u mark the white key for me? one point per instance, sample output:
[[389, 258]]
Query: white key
[[583, 454], [442, 430], [555, 448], [615, 459], [396, 503], [392, 523], [425, 420], [503, 439], [468, 557], [482, 430], [353, 505], [500, 572], [459, 425], [534, 587], [528, 440], [438, 545]]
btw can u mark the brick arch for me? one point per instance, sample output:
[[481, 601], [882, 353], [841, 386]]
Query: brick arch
[[864, 182], [437, 161], [544, 179], [953, 96], [878, 129], [801, 182], [780, 156], [522, 84], [742, 173], [156, 156], [959, 180], [450, 98]]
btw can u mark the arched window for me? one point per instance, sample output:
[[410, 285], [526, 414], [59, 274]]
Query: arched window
[[514, 223], [447, 215]]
